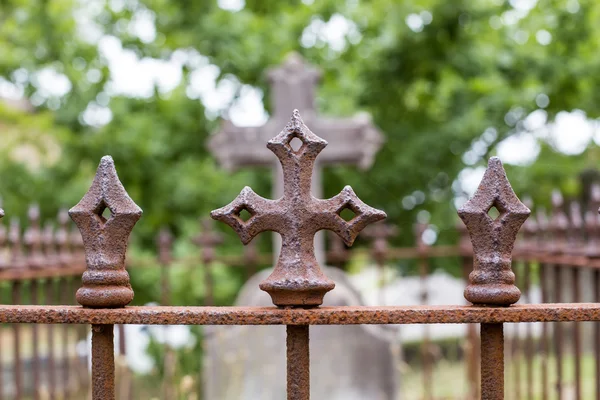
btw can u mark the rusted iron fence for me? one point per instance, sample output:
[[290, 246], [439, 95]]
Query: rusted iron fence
[[297, 285]]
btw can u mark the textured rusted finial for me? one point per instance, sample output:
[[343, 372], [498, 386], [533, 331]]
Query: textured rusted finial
[[3, 241], [337, 254], [49, 242], [164, 241], [297, 279], [559, 224], [105, 282], [379, 233], [207, 240], [62, 238], [492, 280], [33, 238], [592, 223], [17, 259]]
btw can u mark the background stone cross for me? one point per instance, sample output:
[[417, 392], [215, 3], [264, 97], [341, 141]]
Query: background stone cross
[[492, 281], [297, 279]]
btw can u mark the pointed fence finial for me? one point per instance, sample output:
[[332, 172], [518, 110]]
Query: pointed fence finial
[[17, 259], [62, 238], [297, 280], [33, 238], [492, 280], [105, 282]]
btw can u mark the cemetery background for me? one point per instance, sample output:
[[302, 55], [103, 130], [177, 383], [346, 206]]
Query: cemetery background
[[148, 81]]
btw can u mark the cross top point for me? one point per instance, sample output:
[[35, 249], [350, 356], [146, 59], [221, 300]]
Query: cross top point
[[297, 279]]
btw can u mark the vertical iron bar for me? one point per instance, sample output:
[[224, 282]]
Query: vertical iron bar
[[51, 369], [576, 333], [103, 362], [492, 362], [471, 355], [515, 350], [597, 332], [425, 353], [18, 366], [298, 362], [545, 349], [529, 346], [63, 285], [209, 299], [35, 358], [558, 332]]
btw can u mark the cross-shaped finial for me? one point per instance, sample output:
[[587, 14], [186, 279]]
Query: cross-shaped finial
[[492, 280], [297, 279], [105, 282], [379, 234]]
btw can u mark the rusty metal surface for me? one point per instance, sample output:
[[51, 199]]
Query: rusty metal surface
[[314, 316], [207, 240], [492, 280], [298, 362], [164, 243], [297, 279], [103, 363], [492, 362], [105, 282]]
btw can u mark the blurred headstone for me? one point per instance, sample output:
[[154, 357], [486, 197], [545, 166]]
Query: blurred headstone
[[347, 362]]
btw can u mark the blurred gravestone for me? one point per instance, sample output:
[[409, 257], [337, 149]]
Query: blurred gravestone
[[347, 362]]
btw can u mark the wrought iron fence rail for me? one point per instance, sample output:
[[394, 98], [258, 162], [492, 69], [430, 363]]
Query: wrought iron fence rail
[[342, 315]]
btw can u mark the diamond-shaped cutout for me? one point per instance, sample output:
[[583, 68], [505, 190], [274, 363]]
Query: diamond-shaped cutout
[[295, 143], [103, 213], [494, 213], [347, 213], [244, 214]]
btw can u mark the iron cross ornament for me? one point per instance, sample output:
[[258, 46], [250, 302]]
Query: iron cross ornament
[[297, 280]]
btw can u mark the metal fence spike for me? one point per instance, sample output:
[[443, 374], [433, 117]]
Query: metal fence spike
[[105, 282], [492, 280]]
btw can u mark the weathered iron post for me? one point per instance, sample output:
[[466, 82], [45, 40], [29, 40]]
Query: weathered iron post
[[105, 282], [423, 260], [18, 263], [379, 234], [559, 226], [35, 261], [491, 284], [164, 242], [592, 227], [207, 241], [297, 280], [61, 238]]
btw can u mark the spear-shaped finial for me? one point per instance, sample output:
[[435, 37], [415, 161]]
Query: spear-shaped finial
[[105, 282], [492, 280]]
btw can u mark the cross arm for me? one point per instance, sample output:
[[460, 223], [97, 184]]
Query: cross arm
[[264, 215], [330, 210]]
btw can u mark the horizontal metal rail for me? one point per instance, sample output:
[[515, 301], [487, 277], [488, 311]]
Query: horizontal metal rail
[[315, 316]]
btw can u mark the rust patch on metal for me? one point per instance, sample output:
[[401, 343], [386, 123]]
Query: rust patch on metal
[[298, 362], [492, 281], [297, 316], [379, 233], [297, 279], [103, 362], [105, 282], [492, 362]]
